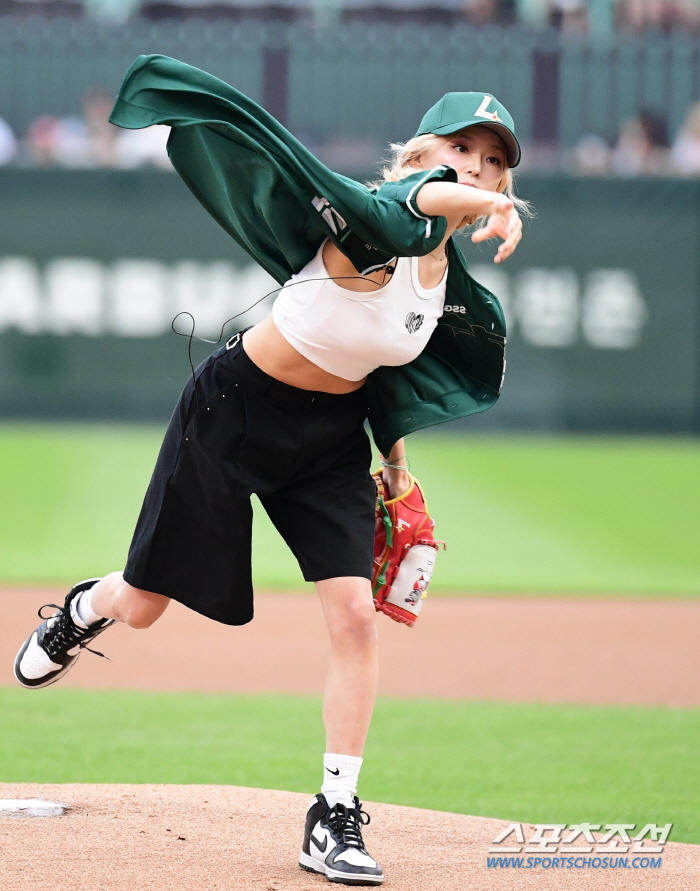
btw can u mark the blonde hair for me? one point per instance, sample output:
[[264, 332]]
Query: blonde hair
[[404, 156]]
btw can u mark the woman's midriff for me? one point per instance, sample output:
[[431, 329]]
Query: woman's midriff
[[273, 354]]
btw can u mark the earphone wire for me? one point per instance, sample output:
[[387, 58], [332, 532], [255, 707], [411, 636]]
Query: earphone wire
[[388, 270]]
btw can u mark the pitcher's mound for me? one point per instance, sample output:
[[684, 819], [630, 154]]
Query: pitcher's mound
[[200, 838]]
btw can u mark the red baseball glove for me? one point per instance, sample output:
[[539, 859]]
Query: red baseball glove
[[404, 552]]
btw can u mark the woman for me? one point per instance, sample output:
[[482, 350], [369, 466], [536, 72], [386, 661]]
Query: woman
[[280, 411]]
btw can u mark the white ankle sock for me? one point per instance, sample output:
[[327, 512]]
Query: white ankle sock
[[84, 610], [340, 776]]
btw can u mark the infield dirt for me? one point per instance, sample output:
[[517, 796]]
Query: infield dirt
[[513, 650], [202, 838]]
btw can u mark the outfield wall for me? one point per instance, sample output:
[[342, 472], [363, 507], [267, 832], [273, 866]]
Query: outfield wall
[[601, 299]]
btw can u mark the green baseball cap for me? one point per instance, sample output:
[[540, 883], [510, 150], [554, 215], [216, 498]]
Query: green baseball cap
[[455, 111]]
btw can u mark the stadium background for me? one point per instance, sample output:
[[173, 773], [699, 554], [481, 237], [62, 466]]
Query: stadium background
[[583, 482]]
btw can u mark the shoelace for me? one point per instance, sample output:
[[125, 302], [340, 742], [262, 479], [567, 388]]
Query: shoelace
[[63, 634], [347, 823]]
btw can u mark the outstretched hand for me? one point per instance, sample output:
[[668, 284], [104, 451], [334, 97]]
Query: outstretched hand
[[503, 222]]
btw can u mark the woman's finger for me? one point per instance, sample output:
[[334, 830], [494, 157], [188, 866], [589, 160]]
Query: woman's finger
[[512, 240], [502, 223], [488, 232], [508, 246]]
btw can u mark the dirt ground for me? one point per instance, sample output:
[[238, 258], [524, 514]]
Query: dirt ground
[[578, 651], [127, 838], [202, 838]]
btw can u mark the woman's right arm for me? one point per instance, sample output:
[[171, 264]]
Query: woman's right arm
[[456, 201], [463, 204]]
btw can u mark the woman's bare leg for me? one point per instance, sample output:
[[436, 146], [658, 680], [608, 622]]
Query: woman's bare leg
[[333, 833], [113, 598], [351, 683]]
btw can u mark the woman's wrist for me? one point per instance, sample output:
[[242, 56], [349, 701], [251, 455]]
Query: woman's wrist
[[398, 481], [395, 470], [479, 203], [395, 462]]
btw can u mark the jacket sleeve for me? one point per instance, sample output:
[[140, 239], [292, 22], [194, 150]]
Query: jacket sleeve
[[260, 183], [403, 194]]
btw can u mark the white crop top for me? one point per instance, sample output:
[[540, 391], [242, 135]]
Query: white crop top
[[350, 333]]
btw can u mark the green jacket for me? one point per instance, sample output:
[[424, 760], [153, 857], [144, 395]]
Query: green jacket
[[279, 203]]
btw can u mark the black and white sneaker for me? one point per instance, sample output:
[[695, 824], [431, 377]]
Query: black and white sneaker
[[333, 844], [51, 650]]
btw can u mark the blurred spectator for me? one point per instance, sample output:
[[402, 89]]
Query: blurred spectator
[[540, 157], [658, 15], [41, 140], [91, 141], [685, 154], [590, 156], [642, 147], [115, 12], [71, 145], [8, 143], [61, 141], [569, 16], [100, 135], [489, 12], [135, 148]]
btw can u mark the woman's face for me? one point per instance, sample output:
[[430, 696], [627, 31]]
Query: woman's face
[[477, 154]]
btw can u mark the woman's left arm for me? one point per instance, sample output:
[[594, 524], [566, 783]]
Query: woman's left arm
[[395, 470]]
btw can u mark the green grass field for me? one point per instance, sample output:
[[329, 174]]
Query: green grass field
[[588, 516], [527, 763]]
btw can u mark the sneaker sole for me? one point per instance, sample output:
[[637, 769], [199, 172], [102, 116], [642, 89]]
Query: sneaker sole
[[310, 865]]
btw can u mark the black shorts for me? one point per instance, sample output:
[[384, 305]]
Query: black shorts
[[305, 454]]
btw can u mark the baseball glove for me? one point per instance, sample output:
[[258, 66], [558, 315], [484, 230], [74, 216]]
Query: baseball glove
[[404, 552]]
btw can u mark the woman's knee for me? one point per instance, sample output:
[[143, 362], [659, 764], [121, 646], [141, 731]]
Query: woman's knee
[[140, 609], [349, 611], [355, 622]]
